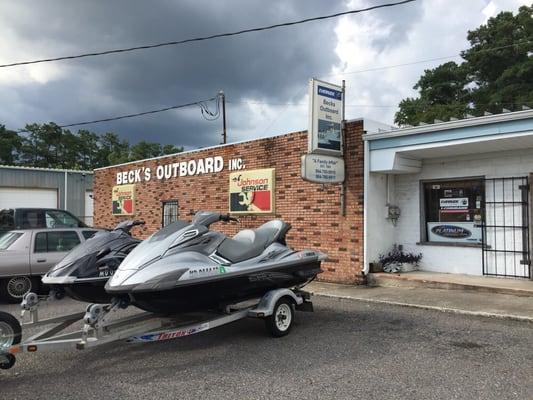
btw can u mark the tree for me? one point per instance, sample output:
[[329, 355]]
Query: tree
[[488, 80], [42, 146], [171, 149], [50, 146], [112, 150], [10, 146]]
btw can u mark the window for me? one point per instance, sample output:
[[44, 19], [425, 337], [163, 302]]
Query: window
[[60, 219], [88, 234], [32, 219], [7, 220], [453, 210], [170, 212], [7, 239], [47, 242]]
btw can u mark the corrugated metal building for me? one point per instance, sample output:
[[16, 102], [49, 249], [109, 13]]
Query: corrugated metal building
[[45, 187]]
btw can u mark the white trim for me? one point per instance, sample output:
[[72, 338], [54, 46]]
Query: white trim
[[441, 126], [366, 173]]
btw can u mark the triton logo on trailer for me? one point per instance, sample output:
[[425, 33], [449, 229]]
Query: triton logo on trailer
[[451, 231], [331, 93]]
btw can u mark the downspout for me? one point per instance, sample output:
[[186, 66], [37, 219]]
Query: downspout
[[366, 172], [65, 188]]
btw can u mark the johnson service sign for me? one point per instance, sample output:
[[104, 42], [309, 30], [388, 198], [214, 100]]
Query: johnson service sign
[[252, 192]]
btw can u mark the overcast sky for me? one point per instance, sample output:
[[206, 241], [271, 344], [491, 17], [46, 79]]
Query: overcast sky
[[259, 72]]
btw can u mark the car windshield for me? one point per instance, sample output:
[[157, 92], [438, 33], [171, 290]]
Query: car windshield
[[8, 238]]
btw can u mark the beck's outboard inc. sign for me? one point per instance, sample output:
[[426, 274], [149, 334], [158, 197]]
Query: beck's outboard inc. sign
[[325, 117], [201, 166]]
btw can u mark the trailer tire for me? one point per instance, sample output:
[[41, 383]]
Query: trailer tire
[[280, 322], [7, 361], [10, 330]]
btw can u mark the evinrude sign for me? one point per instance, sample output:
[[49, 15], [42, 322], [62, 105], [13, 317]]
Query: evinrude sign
[[454, 232], [326, 113]]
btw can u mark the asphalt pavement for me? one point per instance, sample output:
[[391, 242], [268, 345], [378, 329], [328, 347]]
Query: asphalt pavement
[[346, 349]]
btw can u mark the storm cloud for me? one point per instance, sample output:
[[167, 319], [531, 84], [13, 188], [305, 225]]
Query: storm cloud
[[259, 72]]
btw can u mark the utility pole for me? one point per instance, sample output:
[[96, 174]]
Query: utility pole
[[224, 136]]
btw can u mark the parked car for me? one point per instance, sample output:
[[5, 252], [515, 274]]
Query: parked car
[[32, 218], [26, 255]]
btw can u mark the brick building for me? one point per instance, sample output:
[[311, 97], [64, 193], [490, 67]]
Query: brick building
[[313, 210]]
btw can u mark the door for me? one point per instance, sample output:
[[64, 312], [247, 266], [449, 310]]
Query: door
[[89, 204], [505, 233], [11, 197], [50, 247]]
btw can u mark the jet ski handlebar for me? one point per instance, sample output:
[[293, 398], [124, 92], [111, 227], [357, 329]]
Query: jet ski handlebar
[[228, 218], [127, 225], [207, 218]]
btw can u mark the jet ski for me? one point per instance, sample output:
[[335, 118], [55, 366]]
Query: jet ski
[[187, 267], [83, 273]]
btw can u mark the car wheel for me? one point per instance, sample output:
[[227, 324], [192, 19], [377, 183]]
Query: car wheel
[[13, 289]]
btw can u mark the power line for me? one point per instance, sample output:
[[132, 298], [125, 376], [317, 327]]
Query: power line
[[201, 103], [427, 60], [198, 39]]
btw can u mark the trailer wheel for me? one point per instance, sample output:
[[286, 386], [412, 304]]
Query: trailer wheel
[[7, 361], [10, 330], [280, 322]]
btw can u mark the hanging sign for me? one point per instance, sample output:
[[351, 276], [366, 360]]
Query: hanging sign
[[320, 168], [252, 192], [123, 199], [325, 117]]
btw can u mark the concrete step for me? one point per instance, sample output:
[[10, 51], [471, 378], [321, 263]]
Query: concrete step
[[434, 280]]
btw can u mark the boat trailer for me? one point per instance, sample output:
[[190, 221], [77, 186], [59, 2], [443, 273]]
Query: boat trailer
[[276, 307]]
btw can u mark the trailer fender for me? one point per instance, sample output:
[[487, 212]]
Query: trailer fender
[[265, 308]]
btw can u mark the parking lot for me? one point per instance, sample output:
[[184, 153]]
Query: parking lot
[[345, 349]]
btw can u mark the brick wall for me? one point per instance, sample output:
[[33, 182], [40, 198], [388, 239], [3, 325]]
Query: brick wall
[[312, 209]]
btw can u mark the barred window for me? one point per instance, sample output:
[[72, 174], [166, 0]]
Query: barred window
[[170, 212]]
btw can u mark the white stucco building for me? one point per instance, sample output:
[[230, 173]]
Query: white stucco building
[[461, 189]]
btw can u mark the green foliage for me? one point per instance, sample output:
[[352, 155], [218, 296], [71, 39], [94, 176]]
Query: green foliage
[[50, 146], [487, 80], [10, 146]]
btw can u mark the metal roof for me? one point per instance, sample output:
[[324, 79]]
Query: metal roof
[[77, 171], [453, 124]]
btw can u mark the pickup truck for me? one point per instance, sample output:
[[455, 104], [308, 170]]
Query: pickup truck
[[26, 255]]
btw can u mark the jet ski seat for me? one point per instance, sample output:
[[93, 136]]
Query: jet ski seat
[[250, 243]]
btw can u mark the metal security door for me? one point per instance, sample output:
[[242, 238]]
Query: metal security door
[[505, 240]]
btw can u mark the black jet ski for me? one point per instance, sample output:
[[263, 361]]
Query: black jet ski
[[187, 267], [83, 273]]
